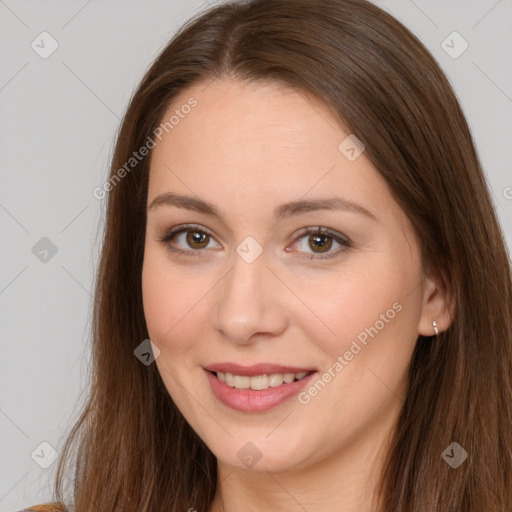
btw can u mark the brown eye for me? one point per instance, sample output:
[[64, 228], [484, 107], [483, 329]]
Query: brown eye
[[321, 243], [187, 239], [197, 237], [313, 243]]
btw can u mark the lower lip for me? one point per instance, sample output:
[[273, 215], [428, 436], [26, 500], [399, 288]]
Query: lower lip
[[252, 400]]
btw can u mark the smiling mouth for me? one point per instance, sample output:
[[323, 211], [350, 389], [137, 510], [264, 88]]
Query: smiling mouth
[[259, 382]]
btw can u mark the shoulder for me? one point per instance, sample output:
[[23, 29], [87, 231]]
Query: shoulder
[[46, 507]]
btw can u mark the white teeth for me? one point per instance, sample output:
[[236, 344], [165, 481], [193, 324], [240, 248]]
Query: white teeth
[[242, 382], [259, 382], [275, 379]]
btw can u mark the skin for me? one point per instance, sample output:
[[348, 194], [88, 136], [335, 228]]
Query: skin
[[248, 148]]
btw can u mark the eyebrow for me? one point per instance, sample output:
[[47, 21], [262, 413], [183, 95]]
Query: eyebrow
[[285, 210]]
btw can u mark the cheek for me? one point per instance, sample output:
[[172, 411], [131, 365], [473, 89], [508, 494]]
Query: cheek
[[343, 305], [364, 363], [170, 300]]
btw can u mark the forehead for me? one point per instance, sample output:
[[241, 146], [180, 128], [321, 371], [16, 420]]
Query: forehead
[[246, 117], [264, 138]]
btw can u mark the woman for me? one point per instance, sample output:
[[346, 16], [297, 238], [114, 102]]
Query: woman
[[298, 221]]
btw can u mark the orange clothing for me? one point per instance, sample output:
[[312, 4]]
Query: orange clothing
[[46, 507]]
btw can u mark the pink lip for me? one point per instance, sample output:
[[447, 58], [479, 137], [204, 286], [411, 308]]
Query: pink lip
[[251, 400], [255, 369]]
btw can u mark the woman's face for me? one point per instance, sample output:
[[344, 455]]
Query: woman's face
[[247, 292]]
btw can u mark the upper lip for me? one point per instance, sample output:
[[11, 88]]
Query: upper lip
[[255, 369]]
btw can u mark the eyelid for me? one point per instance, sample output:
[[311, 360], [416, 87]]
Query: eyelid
[[176, 230], [340, 238]]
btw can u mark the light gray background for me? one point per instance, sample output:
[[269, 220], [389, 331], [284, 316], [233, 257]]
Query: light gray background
[[59, 117]]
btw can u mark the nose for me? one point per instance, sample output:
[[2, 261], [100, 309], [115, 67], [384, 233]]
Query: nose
[[250, 302]]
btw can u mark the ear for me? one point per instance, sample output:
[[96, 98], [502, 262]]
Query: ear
[[437, 304]]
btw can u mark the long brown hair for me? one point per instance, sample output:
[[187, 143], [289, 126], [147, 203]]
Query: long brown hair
[[134, 449]]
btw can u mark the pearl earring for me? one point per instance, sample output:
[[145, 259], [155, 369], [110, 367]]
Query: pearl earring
[[436, 330]]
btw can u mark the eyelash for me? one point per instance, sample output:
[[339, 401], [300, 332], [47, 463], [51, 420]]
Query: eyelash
[[342, 240]]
